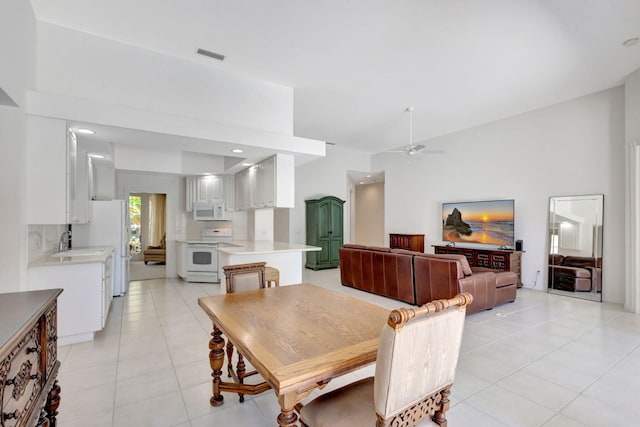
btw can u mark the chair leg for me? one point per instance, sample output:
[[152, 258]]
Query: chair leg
[[240, 370], [440, 415]]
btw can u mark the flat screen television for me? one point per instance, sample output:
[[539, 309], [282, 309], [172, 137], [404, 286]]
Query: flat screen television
[[487, 222]]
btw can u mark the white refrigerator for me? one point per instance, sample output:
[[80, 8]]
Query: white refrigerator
[[108, 226]]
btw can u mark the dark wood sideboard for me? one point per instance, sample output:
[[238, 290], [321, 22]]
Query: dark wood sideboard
[[29, 392], [497, 259], [410, 242]]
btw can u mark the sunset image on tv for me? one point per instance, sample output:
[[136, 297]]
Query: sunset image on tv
[[489, 222]]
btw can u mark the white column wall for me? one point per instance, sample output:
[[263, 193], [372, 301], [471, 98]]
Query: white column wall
[[572, 148], [632, 137], [17, 50]]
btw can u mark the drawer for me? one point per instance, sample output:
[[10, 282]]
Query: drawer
[[22, 379]]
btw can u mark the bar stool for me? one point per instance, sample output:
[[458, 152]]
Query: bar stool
[[271, 275]]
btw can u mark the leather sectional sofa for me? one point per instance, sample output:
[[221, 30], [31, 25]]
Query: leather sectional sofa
[[575, 273], [417, 278]]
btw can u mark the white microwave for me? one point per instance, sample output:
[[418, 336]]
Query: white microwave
[[208, 211]]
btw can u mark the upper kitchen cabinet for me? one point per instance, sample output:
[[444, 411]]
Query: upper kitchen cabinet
[[58, 187], [207, 188], [267, 184]]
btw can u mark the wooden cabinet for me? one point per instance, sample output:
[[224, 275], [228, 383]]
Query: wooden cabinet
[[267, 184], [58, 187], [28, 358], [324, 220], [410, 242], [497, 259]]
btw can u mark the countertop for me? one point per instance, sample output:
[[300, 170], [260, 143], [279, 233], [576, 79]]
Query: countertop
[[249, 247], [48, 260]]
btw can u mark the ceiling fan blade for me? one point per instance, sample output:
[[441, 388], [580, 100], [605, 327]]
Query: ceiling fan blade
[[418, 147]]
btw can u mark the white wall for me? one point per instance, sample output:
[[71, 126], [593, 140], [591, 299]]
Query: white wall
[[324, 177], [17, 50], [173, 187], [85, 66], [369, 214], [572, 148]]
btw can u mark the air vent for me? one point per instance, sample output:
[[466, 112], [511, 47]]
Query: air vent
[[330, 143], [210, 54]]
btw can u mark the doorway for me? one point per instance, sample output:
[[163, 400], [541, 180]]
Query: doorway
[[367, 208], [147, 243]]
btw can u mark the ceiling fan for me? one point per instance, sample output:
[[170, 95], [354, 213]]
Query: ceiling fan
[[413, 150]]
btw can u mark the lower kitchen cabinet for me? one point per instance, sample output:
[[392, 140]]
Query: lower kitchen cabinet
[[84, 305]]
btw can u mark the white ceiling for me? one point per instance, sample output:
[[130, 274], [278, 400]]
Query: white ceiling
[[355, 66]]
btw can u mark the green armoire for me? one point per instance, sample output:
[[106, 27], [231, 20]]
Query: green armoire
[[324, 229]]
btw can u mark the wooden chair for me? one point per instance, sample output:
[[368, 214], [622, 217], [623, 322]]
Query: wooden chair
[[415, 368], [242, 278], [272, 275]]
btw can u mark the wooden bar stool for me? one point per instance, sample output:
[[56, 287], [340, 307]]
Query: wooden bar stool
[[271, 275]]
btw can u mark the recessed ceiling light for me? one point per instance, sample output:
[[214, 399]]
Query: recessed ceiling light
[[631, 42], [237, 150], [368, 175], [86, 131], [361, 182]]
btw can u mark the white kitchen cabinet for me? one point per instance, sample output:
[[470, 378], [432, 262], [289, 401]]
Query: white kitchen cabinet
[[182, 259], [267, 184], [206, 189], [243, 188], [57, 174], [84, 304]]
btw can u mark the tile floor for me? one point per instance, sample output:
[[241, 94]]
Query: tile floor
[[545, 360]]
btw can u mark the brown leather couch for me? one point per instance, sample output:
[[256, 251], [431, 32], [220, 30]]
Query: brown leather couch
[[574, 273], [382, 271], [418, 278]]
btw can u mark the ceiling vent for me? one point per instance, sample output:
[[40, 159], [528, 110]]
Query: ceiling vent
[[210, 54]]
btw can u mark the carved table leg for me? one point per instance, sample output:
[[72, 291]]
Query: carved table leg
[[53, 401], [440, 415], [216, 360], [287, 417], [241, 370], [229, 358]]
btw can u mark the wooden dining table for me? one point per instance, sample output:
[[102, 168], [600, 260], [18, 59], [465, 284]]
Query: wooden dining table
[[298, 338]]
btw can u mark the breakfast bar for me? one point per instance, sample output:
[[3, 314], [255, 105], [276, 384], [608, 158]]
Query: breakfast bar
[[286, 257]]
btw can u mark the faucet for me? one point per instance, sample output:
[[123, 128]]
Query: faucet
[[63, 244]]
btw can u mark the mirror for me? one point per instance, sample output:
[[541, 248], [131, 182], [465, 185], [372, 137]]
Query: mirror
[[575, 246]]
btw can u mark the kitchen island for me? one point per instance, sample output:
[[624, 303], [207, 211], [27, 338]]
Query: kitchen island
[[286, 257]]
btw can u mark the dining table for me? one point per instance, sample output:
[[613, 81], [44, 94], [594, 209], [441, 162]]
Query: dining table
[[297, 337]]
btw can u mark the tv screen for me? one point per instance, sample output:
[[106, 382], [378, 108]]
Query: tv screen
[[488, 222]]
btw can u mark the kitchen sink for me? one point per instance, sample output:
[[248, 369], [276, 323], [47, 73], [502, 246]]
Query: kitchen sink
[[79, 252]]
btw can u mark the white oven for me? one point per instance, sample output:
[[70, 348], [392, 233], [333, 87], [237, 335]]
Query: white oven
[[202, 255]]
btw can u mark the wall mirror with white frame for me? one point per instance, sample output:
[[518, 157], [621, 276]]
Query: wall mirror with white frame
[[575, 235]]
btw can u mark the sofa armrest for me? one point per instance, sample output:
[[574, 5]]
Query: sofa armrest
[[483, 288]]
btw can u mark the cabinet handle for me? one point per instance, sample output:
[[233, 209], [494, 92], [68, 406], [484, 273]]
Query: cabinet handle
[[331, 232], [11, 415]]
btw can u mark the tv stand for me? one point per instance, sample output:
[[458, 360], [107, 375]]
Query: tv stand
[[497, 259]]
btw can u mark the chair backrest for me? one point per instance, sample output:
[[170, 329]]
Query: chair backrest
[[244, 277], [418, 353]]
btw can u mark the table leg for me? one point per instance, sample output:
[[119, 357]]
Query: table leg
[[287, 418], [229, 358], [216, 360]]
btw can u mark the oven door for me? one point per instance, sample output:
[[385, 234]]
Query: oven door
[[202, 258]]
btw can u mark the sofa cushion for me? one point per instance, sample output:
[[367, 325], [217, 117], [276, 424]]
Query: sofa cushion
[[506, 278], [464, 262]]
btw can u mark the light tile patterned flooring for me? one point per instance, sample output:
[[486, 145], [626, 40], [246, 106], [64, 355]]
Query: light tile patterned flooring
[[545, 360]]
